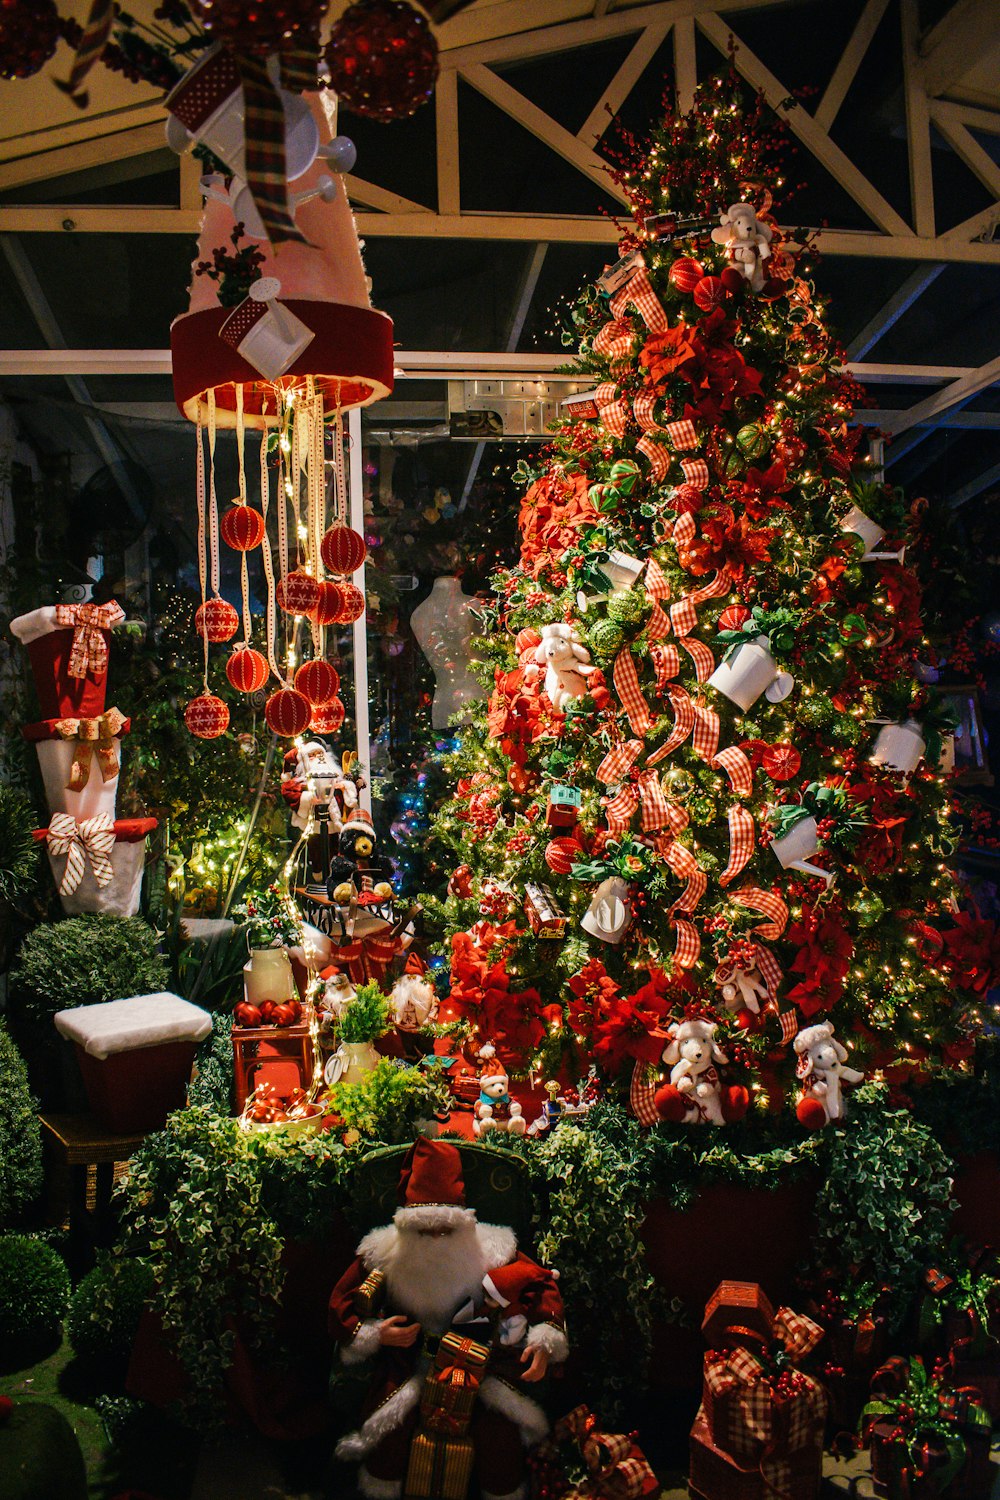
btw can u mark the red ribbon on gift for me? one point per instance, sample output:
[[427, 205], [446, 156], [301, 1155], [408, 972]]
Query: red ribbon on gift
[[88, 651]]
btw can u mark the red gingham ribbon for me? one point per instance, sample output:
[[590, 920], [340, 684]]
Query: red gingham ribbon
[[618, 761], [612, 411], [684, 865], [683, 708], [695, 472], [642, 406], [657, 589], [737, 768], [705, 735], [789, 1023], [626, 681], [88, 650], [683, 614], [688, 944], [646, 792], [615, 341], [682, 434], [666, 660], [741, 840], [769, 904], [658, 456], [641, 1093], [770, 970], [684, 531], [655, 811], [638, 291]]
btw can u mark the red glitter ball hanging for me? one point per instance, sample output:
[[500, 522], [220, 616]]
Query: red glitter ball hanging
[[247, 670], [29, 31], [217, 620], [328, 718], [343, 550], [562, 854], [382, 59], [242, 527], [298, 594], [317, 681], [329, 604], [207, 716], [287, 712], [261, 26], [686, 273], [353, 606]]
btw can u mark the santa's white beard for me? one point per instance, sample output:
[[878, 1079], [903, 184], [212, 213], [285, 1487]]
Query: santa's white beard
[[431, 1277]]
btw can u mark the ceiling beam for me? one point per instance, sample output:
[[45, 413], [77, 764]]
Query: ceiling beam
[[890, 313], [851, 59], [963, 35], [967, 421], [975, 487], [60, 161], [978, 160], [957, 393], [621, 85], [685, 62], [449, 190], [918, 124], [812, 136]]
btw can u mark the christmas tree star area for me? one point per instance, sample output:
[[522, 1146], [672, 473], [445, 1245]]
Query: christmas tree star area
[[705, 810]]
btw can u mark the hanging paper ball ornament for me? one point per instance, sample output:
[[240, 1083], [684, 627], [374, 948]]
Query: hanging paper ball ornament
[[343, 550], [247, 670], [353, 606], [685, 274], [298, 593], [29, 31], [752, 438], [562, 854], [382, 59], [317, 681], [216, 619], [329, 604], [261, 26], [733, 616], [780, 762], [288, 712], [710, 292], [328, 718], [242, 528], [207, 716]]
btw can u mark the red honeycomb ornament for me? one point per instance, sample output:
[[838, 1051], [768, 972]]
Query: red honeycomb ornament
[[353, 606], [298, 594], [686, 273], [242, 528], [261, 26], [329, 604], [207, 716], [343, 550], [29, 31], [317, 681], [216, 620], [288, 712], [328, 718], [562, 854], [382, 59], [247, 670]]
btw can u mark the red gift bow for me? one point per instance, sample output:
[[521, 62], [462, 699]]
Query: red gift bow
[[617, 1467], [89, 650]]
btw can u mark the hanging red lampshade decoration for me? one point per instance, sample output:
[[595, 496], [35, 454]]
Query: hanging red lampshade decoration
[[329, 604], [382, 59], [298, 594], [353, 606], [247, 670], [242, 528], [317, 681], [328, 718], [343, 550], [288, 712], [216, 620], [207, 716], [29, 31]]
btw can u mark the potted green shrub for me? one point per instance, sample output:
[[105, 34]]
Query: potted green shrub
[[34, 1293], [394, 1102], [272, 926], [364, 1020], [20, 1136]]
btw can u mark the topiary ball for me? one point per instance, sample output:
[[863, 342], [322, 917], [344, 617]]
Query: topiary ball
[[34, 1289], [104, 1310], [20, 1135], [40, 1456], [249, 26]]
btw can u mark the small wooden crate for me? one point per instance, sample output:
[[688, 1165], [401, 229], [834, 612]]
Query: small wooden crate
[[280, 1055]]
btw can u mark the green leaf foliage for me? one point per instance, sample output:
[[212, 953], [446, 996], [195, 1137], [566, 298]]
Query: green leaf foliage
[[366, 1017], [105, 1308], [386, 1105], [20, 1136], [34, 1288], [83, 960]]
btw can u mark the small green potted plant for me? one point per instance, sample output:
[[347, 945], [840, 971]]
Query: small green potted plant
[[272, 926], [394, 1102], [364, 1020]]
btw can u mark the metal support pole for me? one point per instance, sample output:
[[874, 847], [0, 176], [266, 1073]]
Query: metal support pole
[[356, 513]]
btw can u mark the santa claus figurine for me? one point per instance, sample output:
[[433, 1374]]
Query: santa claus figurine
[[417, 1290]]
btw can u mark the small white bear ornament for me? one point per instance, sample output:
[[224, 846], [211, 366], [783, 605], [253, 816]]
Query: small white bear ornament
[[822, 1074], [567, 664], [747, 241], [696, 1095], [495, 1109]]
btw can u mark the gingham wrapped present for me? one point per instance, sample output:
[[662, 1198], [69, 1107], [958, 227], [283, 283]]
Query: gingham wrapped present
[[580, 1462]]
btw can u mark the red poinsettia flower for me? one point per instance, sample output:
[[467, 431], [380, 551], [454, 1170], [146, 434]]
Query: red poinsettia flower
[[552, 512], [761, 490], [664, 353], [972, 949], [823, 959], [724, 542]]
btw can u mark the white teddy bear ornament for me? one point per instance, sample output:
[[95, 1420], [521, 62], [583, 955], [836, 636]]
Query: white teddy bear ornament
[[696, 1094], [567, 664], [747, 241], [821, 1072]]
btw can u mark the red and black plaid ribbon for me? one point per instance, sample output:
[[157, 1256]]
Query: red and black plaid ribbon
[[265, 150]]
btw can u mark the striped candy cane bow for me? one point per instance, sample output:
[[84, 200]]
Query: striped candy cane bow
[[93, 839]]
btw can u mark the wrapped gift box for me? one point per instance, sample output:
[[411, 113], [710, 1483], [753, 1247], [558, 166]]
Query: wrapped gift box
[[67, 647], [926, 1478], [67, 839], [715, 1475], [135, 1056], [93, 745]]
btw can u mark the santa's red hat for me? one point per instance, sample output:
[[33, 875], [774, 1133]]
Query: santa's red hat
[[431, 1192], [512, 1286]]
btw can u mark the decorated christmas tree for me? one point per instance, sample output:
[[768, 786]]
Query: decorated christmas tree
[[700, 834]]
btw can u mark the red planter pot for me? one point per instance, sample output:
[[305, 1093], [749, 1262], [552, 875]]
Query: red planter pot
[[977, 1192]]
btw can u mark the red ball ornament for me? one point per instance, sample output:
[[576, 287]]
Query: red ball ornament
[[29, 31], [298, 594], [216, 619], [710, 292], [734, 281], [382, 59], [317, 681], [686, 499], [247, 670], [329, 604], [733, 616], [562, 854], [527, 640], [343, 550], [242, 527], [685, 274], [287, 712], [207, 716], [328, 718], [353, 606], [261, 26]]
